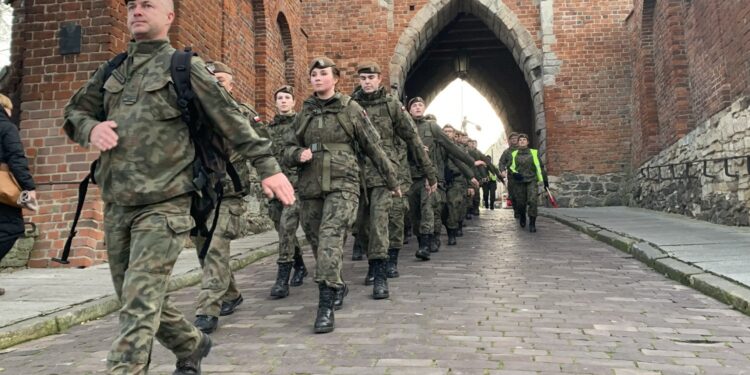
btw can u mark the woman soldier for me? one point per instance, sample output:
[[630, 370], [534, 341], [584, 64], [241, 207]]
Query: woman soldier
[[528, 172], [332, 135]]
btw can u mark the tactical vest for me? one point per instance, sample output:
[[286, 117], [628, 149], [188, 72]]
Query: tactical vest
[[537, 164]]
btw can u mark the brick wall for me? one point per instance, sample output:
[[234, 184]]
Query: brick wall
[[43, 81]]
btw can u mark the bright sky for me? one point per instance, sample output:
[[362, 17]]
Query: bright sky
[[460, 99], [5, 42]]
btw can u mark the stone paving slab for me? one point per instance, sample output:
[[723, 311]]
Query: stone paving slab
[[502, 302], [40, 302], [690, 246]]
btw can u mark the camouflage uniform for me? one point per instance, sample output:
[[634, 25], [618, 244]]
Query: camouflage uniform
[[512, 186], [457, 186], [285, 219], [146, 182], [527, 182], [329, 184], [392, 123], [423, 207], [217, 283]]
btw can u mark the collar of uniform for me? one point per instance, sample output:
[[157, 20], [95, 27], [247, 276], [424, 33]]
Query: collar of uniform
[[147, 46], [523, 150], [283, 117], [327, 102], [375, 95]]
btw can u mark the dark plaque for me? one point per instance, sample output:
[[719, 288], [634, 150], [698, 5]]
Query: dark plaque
[[70, 39]]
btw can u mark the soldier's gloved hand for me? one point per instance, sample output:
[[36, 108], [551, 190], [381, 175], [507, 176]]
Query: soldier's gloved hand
[[546, 184], [474, 182], [305, 156], [103, 137], [278, 186], [396, 193]]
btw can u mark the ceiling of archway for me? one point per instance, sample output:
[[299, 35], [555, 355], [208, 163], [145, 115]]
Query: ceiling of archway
[[492, 71]]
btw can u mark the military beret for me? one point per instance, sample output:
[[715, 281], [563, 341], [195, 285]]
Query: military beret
[[416, 99], [522, 135], [513, 134], [368, 67], [321, 63], [219, 67], [285, 89]]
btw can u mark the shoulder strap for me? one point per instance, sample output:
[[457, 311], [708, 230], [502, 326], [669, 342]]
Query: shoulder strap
[[111, 66]]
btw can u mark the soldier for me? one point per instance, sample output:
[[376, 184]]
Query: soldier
[[528, 171], [219, 295], [392, 122], [332, 135], [286, 219], [504, 164], [399, 211], [423, 206], [457, 175], [489, 188], [145, 177]]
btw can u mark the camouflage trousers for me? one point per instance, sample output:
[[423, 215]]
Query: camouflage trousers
[[217, 283], [527, 196], [456, 205], [512, 186], [372, 222], [286, 222], [396, 222], [421, 206], [143, 243], [326, 222], [476, 199], [439, 207]]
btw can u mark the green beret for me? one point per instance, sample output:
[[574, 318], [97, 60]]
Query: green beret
[[285, 89], [369, 67], [321, 63], [416, 99], [219, 67]]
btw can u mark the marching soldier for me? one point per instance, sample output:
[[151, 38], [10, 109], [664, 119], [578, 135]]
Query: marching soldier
[[528, 171], [145, 176], [392, 122], [285, 219], [332, 135]]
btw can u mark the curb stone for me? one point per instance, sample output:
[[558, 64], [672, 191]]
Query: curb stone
[[716, 286], [60, 321]]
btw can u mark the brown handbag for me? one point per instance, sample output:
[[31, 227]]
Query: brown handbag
[[9, 188]]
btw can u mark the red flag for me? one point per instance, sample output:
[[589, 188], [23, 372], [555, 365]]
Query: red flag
[[552, 200]]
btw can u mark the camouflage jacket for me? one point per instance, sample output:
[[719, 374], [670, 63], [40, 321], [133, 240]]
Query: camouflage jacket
[[440, 148], [392, 122], [152, 160], [336, 130], [241, 164], [505, 158], [280, 129], [404, 171], [460, 171], [525, 166]]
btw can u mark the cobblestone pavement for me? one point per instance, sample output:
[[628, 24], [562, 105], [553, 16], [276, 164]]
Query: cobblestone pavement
[[502, 302]]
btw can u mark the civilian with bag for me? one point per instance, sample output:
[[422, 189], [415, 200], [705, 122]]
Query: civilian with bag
[[15, 181]]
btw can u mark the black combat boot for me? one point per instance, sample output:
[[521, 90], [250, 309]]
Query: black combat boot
[[452, 237], [228, 307], [300, 271], [460, 230], [423, 252], [392, 266], [380, 286], [338, 301], [281, 288], [324, 322], [205, 323], [532, 224], [357, 251], [522, 218], [191, 365], [435, 243], [370, 278], [516, 214]]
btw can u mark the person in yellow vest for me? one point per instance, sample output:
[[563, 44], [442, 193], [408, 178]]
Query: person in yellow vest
[[528, 172]]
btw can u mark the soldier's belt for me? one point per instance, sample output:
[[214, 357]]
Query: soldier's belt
[[325, 183]]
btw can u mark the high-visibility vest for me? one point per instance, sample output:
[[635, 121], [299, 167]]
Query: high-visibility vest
[[537, 164], [492, 176]]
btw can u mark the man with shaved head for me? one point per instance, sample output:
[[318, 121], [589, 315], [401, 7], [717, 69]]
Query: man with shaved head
[[146, 179]]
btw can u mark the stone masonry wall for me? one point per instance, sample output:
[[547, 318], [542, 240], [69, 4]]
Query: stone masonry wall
[[721, 199]]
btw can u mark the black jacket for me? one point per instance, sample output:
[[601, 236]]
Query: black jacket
[[12, 153]]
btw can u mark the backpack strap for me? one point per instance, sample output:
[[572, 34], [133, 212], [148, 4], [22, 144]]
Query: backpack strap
[[83, 186]]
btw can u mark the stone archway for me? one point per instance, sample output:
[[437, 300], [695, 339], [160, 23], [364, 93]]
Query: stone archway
[[428, 23]]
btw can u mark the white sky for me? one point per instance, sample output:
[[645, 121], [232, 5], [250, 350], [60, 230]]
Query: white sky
[[451, 105], [5, 42]]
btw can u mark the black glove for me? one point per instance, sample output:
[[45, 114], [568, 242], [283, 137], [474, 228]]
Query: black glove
[[546, 184], [518, 177]]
